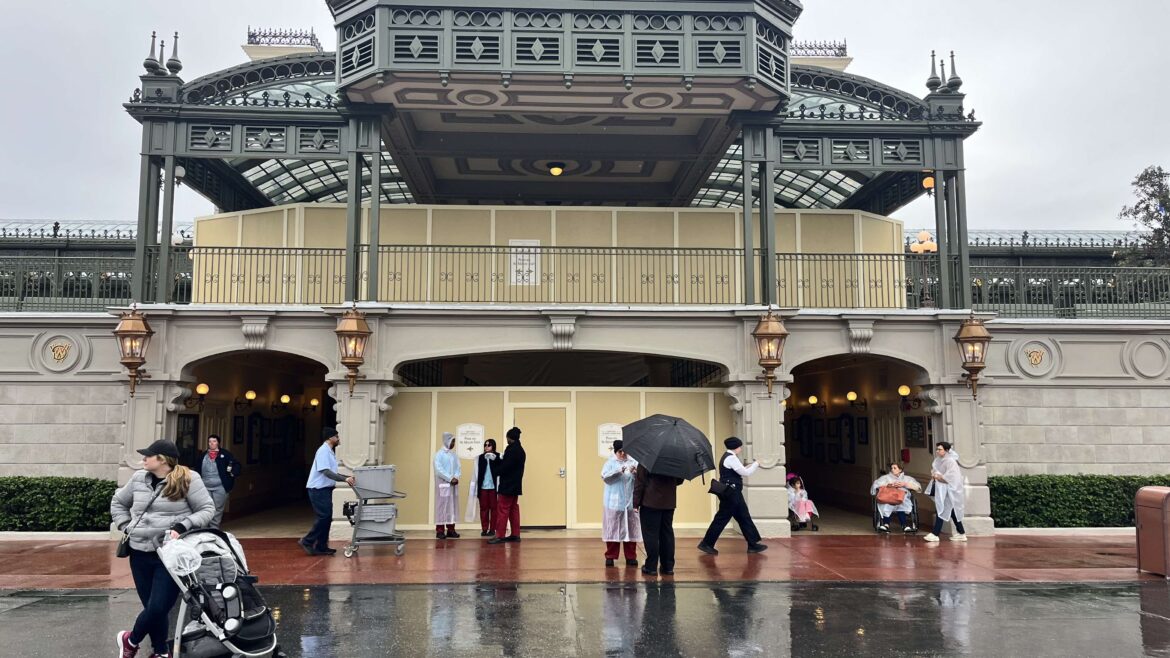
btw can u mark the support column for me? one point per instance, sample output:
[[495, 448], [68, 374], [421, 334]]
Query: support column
[[353, 221], [760, 424], [749, 262], [963, 428], [141, 241], [946, 298], [165, 279], [767, 228], [359, 423], [964, 247], [375, 224], [955, 249]]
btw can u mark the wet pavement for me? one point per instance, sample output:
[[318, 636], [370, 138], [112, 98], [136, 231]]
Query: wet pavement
[[649, 619]]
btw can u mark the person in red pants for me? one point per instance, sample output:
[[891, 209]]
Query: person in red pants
[[509, 489], [483, 490], [620, 527]]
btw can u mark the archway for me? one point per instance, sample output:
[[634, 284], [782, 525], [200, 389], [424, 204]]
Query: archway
[[268, 408], [845, 421], [570, 405]]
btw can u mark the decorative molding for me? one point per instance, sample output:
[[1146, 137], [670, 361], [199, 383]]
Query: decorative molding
[[58, 353], [932, 399], [175, 394], [562, 327], [383, 394], [738, 393], [860, 336], [255, 330]]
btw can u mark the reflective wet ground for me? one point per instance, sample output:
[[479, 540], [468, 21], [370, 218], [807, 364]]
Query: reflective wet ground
[[650, 619]]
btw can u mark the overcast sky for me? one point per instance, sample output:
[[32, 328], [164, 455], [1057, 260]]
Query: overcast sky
[[1072, 95]]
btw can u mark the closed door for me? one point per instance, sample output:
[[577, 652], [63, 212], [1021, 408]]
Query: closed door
[[545, 433]]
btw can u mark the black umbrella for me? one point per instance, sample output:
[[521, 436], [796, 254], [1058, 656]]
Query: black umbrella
[[666, 445]]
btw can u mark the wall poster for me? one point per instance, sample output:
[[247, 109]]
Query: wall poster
[[607, 433], [469, 440]]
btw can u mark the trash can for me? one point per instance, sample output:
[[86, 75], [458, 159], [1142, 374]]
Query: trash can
[[1152, 516]]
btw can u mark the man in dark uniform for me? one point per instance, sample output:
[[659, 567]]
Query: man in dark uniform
[[511, 474]]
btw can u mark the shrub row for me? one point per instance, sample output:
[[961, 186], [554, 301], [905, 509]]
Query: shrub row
[[55, 504], [1067, 501]]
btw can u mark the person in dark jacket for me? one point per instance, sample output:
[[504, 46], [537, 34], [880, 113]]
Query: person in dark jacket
[[655, 497], [510, 472], [732, 503], [219, 469], [483, 490]]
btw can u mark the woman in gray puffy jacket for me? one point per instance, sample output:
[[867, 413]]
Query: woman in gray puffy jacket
[[162, 499]]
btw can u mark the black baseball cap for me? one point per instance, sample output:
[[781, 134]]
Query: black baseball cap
[[161, 447]]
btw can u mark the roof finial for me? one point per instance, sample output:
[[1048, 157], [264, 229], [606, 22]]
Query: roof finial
[[173, 64], [150, 63], [933, 82], [954, 82], [162, 49]]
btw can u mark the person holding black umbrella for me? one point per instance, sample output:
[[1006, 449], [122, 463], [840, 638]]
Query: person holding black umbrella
[[669, 450], [731, 503]]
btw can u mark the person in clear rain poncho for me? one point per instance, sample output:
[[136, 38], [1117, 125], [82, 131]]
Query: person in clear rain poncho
[[619, 522], [896, 479], [947, 488], [447, 472]]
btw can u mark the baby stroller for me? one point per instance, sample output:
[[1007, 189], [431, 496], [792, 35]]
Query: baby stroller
[[911, 526], [221, 613], [799, 505]]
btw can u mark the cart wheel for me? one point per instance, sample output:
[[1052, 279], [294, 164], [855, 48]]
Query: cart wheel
[[400, 549], [350, 550]]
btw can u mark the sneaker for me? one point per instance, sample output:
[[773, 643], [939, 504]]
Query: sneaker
[[910, 528], [160, 655], [305, 547], [440, 535], [709, 550], [883, 527], [451, 534], [123, 639], [958, 537], [608, 562], [757, 548], [930, 537]]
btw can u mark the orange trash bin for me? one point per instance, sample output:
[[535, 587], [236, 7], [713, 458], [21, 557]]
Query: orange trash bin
[[1152, 517]]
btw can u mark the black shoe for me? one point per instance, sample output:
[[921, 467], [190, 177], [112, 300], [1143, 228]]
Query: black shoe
[[709, 550], [496, 540], [646, 571], [757, 548], [308, 549], [512, 538], [631, 563], [608, 562], [440, 535], [668, 572], [451, 534], [323, 552], [486, 533]]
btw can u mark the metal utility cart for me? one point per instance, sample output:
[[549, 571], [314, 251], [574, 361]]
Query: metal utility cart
[[372, 515]]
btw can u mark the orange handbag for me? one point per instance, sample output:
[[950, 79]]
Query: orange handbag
[[891, 495]]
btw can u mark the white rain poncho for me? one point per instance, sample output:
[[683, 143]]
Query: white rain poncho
[[907, 503], [951, 495], [619, 521], [446, 494]]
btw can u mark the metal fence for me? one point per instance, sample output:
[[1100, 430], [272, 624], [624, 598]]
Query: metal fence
[[857, 280], [251, 275], [1072, 292], [64, 283]]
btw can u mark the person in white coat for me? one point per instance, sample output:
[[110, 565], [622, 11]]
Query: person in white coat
[[896, 479], [620, 525], [447, 472], [946, 487]]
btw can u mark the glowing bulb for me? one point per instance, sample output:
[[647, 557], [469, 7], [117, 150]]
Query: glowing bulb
[[903, 390], [928, 182], [202, 389], [851, 396], [556, 168], [924, 236], [284, 399], [250, 395], [314, 402], [812, 399]]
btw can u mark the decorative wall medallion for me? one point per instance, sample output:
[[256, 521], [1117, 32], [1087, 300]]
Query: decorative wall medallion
[[57, 353], [60, 351], [1033, 358], [1148, 358]]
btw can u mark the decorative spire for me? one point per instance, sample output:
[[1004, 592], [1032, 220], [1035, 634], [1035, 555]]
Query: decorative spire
[[954, 82], [150, 63], [174, 65], [162, 49], [933, 82]]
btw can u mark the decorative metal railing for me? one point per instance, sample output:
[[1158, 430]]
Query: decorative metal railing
[[448, 274], [47, 283]]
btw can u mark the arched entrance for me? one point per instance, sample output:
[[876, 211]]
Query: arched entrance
[[845, 421], [269, 408], [569, 405]]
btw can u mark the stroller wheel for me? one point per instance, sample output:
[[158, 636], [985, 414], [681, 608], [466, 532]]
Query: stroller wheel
[[349, 551], [815, 527], [400, 549]]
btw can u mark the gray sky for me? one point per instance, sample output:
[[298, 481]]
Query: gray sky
[[1054, 151]]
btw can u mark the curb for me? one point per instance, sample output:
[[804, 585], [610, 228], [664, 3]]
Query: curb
[[52, 536], [1067, 532]]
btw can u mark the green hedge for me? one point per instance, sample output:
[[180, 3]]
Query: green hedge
[[1067, 501], [55, 504]]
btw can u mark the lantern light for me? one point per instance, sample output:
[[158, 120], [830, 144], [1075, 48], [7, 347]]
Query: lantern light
[[133, 335], [770, 336], [352, 333]]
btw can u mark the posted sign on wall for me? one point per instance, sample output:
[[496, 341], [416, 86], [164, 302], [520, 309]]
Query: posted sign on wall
[[469, 440], [607, 433]]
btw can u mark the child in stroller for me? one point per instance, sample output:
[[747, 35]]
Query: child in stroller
[[221, 612], [801, 509]]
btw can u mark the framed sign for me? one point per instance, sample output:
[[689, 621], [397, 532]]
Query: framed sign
[[469, 440], [524, 268], [863, 431], [607, 433], [187, 437], [914, 431], [239, 430]]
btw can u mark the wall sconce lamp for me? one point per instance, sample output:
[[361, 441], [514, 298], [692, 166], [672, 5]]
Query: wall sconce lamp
[[556, 168], [311, 407], [352, 332], [244, 403], [925, 244], [972, 339], [928, 182], [133, 335], [856, 402], [200, 397], [904, 391], [815, 404], [770, 336], [282, 406]]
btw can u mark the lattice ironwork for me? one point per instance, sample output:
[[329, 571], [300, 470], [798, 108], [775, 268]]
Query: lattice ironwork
[[262, 36], [818, 49]]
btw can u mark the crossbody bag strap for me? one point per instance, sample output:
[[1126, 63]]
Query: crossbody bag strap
[[144, 510]]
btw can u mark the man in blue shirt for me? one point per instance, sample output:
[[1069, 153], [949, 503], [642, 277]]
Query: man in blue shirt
[[323, 476]]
